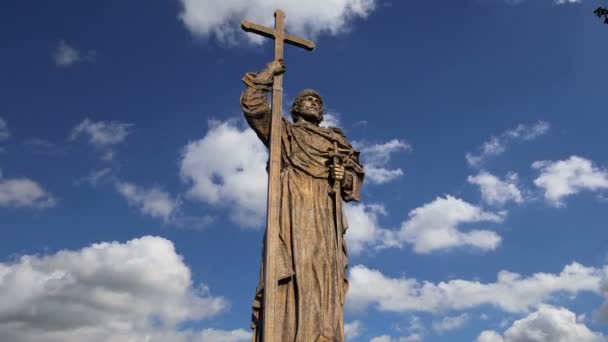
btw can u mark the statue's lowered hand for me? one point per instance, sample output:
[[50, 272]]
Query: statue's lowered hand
[[336, 172]]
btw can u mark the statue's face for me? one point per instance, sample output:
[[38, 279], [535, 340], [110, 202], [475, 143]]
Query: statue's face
[[311, 108]]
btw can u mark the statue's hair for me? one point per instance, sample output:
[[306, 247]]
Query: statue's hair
[[295, 107]]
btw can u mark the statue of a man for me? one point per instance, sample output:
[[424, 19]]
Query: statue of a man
[[312, 255]]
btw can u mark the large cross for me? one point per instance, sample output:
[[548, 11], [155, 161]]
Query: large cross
[[272, 235]]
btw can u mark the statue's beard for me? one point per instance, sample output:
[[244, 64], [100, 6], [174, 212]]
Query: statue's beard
[[310, 115]]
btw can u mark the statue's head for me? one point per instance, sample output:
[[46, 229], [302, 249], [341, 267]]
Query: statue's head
[[308, 106]]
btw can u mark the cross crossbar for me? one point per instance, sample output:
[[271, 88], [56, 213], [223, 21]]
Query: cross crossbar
[[248, 26]]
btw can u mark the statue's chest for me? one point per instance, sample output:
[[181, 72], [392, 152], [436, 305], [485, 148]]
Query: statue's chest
[[313, 142]]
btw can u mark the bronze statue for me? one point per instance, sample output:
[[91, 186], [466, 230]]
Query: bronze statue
[[311, 170], [319, 169]]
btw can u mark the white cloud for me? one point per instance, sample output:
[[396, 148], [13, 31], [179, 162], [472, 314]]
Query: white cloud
[[95, 176], [363, 228], [435, 226], [221, 19], [563, 2], [548, 323], [568, 177], [387, 338], [557, 2], [352, 329], [45, 147], [139, 290], [451, 323], [602, 313], [227, 167], [511, 292], [415, 331], [66, 55], [431, 227], [23, 192], [215, 335], [4, 132], [489, 336], [375, 158], [496, 191], [330, 120], [153, 202], [498, 144], [103, 135]]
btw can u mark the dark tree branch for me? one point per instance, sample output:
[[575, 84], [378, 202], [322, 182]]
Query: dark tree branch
[[602, 12]]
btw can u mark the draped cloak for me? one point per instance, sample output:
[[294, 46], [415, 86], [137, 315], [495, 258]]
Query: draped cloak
[[311, 270]]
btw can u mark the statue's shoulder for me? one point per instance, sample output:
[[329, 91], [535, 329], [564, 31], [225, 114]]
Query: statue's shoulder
[[337, 131], [340, 134]]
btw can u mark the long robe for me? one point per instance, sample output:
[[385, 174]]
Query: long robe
[[311, 270]]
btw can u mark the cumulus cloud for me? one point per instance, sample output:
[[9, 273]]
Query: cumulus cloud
[[4, 132], [363, 228], [451, 323], [489, 336], [227, 168], [435, 226], [548, 323], [387, 338], [152, 202], [66, 55], [567, 177], [45, 147], [221, 19], [352, 329], [432, 227], [498, 144], [602, 313], [415, 331], [21, 192], [330, 120], [103, 135], [495, 191], [564, 2], [375, 158], [557, 2], [24, 193], [95, 176], [139, 290], [216, 335], [511, 292]]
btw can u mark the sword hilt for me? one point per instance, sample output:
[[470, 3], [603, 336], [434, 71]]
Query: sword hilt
[[337, 159]]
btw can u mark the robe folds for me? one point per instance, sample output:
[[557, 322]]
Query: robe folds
[[311, 271]]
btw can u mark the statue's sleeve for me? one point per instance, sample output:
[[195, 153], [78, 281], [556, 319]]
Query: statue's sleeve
[[353, 178], [254, 102]]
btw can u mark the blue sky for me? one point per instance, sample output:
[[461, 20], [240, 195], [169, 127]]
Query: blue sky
[[132, 192]]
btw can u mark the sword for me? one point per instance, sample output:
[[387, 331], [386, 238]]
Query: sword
[[336, 191]]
